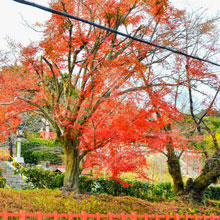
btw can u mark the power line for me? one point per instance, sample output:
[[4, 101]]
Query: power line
[[112, 30]]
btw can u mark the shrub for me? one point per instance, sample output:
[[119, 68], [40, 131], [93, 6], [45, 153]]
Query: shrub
[[44, 178], [148, 191], [41, 178], [27, 150], [213, 192], [2, 180], [40, 150]]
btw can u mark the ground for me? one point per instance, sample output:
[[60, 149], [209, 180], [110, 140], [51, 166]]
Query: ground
[[52, 200]]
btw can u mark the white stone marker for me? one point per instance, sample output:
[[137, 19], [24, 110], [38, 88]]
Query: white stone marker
[[18, 158]]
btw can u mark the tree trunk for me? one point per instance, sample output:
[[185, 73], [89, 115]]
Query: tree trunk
[[10, 147], [72, 167], [209, 175], [173, 163], [175, 171]]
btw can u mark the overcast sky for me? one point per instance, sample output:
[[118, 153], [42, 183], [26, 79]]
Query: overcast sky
[[11, 24]]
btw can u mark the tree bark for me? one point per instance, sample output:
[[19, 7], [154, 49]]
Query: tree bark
[[10, 143], [175, 171], [209, 175], [72, 167], [173, 163]]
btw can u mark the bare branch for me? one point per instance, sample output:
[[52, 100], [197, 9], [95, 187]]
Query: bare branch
[[9, 103]]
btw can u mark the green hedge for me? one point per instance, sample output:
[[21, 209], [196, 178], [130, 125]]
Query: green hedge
[[2, 180], [31, 152], [44, 178], [148, 191], [213, 193], [41, 178]]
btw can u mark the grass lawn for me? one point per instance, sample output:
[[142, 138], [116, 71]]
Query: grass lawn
[[52, 200]]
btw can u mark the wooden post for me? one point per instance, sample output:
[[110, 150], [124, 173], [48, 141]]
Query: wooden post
[[134, 216], [70, 215], [5, 215], [97, 216], [176, 216], [167, 217], [195, 217], [146, 216], [212, 217], [22, 215], [39, 215], [55, 215], [84, 215], [122, 216], [110, 215]]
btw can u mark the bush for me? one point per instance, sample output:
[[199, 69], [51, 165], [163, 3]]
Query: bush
[[44, 178], [39, 150], [2, 180], [213, 193], [27, 150], [41, 178], [148, 191], [46, 156], [44, 142]]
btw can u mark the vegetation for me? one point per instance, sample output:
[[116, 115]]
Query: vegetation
[[109, 99], [53, 200], [37, 150], [145, 190], [2, 180]]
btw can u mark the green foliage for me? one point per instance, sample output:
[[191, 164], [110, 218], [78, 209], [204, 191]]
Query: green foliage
[[46, 156], [213, 123], [213, 193], [43, 142], [31, 135], [40, 150], [2, 180], [148, 191], [41, 178]]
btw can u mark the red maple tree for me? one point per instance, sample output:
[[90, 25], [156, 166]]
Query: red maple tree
[[83, 81]]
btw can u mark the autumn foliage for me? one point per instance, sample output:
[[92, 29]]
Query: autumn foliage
[[99, 91]]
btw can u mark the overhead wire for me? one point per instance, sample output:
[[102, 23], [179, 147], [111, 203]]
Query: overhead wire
[[113, 30]]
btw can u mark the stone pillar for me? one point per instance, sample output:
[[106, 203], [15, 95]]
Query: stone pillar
[[18, 157]]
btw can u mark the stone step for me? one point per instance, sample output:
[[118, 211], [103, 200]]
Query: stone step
[[13, 180]]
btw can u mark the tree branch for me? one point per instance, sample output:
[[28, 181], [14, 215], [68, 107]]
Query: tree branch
[[9, 103]]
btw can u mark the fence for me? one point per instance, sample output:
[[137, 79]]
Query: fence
[[84, 216]]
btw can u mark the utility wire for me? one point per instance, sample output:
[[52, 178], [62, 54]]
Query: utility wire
[[112, 30]]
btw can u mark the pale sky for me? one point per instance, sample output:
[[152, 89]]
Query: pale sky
[[11, 24]]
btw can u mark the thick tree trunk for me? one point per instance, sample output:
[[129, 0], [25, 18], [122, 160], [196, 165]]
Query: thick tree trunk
[[72, 167], [173, 163], [175, 172], [209, 175]]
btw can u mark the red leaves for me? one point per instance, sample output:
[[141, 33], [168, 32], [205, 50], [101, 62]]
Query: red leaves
[[78, 76], [117, 160]]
